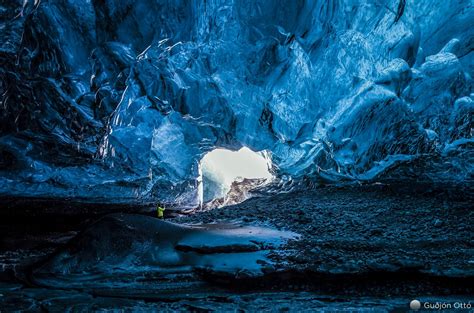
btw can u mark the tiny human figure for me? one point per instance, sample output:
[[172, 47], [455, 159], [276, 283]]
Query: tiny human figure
[[160, 211]]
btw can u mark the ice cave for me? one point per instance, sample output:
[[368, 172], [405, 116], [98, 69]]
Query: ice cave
[[236, 155]]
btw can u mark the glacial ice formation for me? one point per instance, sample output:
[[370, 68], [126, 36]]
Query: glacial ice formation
[[121, 244], [120, 100]]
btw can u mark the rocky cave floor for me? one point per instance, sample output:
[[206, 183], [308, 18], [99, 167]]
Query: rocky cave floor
[[369, 248]]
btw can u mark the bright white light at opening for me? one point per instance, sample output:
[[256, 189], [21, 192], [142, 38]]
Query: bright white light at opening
[[222, 167], [233, 164]]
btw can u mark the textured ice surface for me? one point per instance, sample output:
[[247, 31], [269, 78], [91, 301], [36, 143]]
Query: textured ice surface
[[123, 244], [121, 100]]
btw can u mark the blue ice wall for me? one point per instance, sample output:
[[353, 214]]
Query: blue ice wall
[[119, 100]]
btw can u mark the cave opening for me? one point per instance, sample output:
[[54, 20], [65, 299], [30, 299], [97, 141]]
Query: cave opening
[[228, 176]]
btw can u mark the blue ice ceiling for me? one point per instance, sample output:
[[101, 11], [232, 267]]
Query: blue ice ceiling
[[120, 100]]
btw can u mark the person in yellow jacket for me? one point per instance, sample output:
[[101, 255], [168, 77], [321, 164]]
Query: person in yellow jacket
[[160, 211]]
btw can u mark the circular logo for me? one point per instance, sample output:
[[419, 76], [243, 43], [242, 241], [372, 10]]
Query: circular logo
[[415, 305]]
